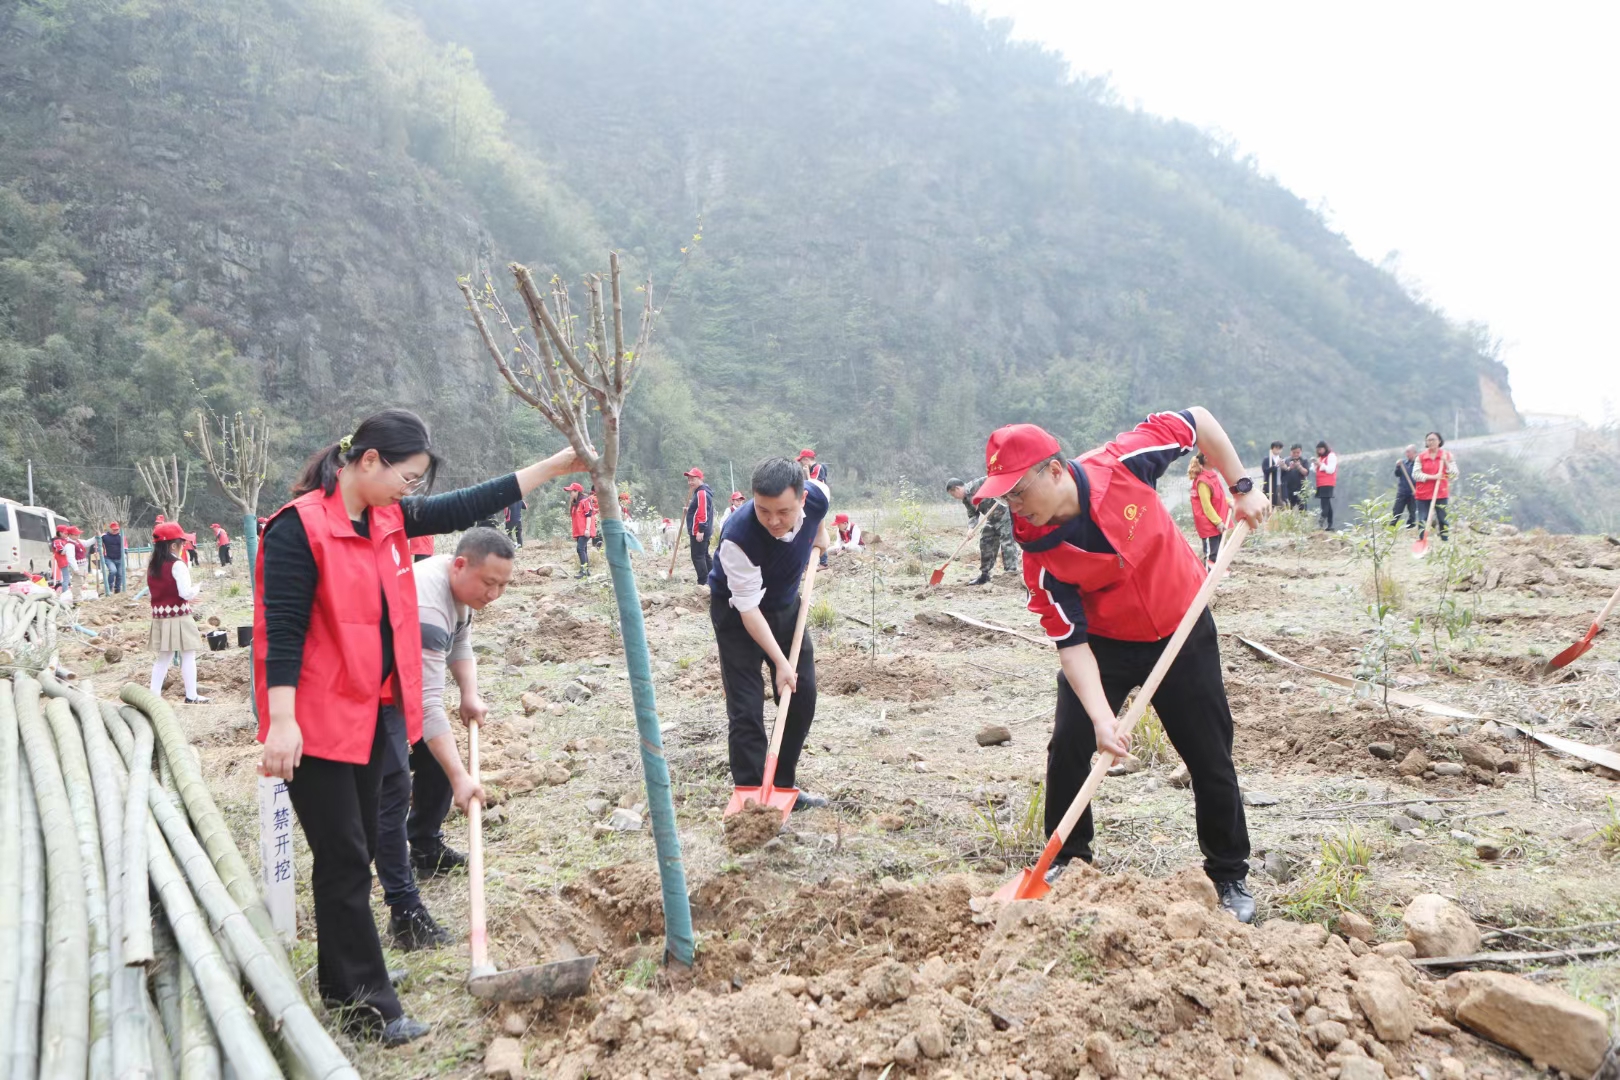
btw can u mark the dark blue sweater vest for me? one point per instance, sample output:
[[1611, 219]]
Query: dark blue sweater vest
[[781, 562]]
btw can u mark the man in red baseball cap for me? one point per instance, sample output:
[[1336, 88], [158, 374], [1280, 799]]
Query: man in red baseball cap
[[700, 523], [1110, 577]]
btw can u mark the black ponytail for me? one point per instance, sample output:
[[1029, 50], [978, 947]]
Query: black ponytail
[[395, 434]]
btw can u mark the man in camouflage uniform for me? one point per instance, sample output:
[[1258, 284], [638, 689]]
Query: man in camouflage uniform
[[996, 534]]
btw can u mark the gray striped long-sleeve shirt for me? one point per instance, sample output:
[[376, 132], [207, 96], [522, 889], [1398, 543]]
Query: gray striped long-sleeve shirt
[[446, 637]]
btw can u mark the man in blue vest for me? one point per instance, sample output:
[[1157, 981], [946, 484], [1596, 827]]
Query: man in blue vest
[[754, 603], [700, 522]]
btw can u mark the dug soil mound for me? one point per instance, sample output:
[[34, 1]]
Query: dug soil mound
[[1109, 976], [889, 678], [752, 826]]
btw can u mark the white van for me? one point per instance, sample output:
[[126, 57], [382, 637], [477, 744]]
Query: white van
[[25, 540]]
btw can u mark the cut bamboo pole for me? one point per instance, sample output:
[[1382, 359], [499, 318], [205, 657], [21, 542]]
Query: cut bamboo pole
[[205, 815], [276, 989], [137, 943], [199, 1049], [82, 804], [162, 1063], [64, 1044], [166, 991], [24, 1024], [239, 1035], [11, 881]]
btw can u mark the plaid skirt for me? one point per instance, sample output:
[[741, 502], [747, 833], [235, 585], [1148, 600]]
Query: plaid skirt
[[178, 634]]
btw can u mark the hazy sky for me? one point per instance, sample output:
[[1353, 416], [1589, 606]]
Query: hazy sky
[[1476, 139]]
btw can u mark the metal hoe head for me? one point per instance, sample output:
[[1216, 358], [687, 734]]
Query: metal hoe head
[[561, 979], [777, 798]]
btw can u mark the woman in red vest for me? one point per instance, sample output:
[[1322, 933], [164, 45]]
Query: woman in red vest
[[337, 655], [1110, 577], [1434, 471], [170, 591], [1327, 478], [579, 522], [1208, 506]]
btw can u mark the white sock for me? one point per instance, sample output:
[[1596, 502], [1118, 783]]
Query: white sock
[[188, 672], [159, 669]]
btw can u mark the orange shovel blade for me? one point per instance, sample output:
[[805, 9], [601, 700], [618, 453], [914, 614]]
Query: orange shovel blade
[[1027, 885], [781, 798], [1421, 548], [1574, 652], [936, 577]]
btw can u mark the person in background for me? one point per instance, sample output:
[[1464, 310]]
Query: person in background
[[423, 780], [596, 517], [1271, 479], [514, 521], [817, 472], [736, 503], [997, 534], [111, 543], [223, 539], [1208, 506], [1327, 476], [174, 631], [1296, 470], [699, 522], [579, 523], [849, 535], [63, 559], [336, 639], [1406, 487], [1110, 578], [754, 605], [1434, 472], [421, 547]]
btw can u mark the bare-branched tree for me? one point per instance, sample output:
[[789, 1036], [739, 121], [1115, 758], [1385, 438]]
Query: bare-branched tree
[[165, 484], [568, 375], [238, 458]]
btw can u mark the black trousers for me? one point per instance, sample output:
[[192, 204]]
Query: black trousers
[[582, 548], [224, 554], [1439, 517], [1191, 703], [1212, 548], [740, 660], [1325, 497], [701, 561], [1295, 501], [336, 804], [1407, 502], [414, 801], [514, 529]]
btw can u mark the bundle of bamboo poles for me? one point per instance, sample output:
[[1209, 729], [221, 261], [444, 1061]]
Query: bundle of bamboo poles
[[133, 940], [28, 627]]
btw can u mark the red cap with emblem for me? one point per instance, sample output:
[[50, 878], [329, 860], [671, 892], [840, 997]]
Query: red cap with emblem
[[698, 473], [573, 487], [1011, 452]]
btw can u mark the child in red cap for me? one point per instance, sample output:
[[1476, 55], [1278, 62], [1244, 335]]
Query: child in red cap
[[1110, 576]]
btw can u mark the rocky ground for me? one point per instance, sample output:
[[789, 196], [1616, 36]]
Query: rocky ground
[[859, 941]]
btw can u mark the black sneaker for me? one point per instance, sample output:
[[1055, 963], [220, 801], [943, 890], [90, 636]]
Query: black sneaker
[[414, 929], [982, 579], [809, 800], [430, 862], [198, 700], [1236, 899], [1055, 871], [365, 1023]]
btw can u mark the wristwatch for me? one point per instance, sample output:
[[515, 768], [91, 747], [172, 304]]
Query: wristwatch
[[1242, 487]]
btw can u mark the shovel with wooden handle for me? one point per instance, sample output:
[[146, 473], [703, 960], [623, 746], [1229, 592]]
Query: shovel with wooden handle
[[1030, 884], [560, 979], [768, 794], [1578, 649], [939, 575], [675, 551]]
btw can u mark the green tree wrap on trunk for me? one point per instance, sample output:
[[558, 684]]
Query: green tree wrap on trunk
[[678, 942]]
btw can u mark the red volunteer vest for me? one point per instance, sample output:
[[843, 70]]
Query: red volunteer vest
[[421, 545], [221, 537], [845, 532], [578, 517], [338, 694], [1141, 592], [1212, 480], [1326, 477], [1431, 463]]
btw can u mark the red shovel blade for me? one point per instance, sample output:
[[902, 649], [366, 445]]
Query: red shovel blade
[[1421, 548], [936, 577], [1027, 885], [1575, 651], [781, 798]]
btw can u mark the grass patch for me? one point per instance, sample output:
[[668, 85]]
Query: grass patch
[[1335, 881], [1023, 834], [1389, 595], [1609, 832], [1151, 744], [822, 614]]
